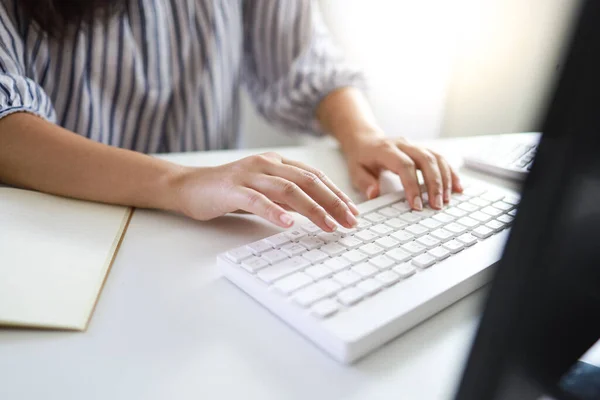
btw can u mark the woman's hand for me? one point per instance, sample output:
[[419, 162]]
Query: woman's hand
[[370, 153], [266, 185]]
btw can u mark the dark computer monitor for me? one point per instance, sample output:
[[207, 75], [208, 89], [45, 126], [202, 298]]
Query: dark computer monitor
[[543, 309]]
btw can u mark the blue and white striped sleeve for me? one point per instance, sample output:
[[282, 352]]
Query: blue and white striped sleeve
[[18, 93], [291, 62]]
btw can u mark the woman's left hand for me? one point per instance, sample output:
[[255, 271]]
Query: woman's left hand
[[371, 153]]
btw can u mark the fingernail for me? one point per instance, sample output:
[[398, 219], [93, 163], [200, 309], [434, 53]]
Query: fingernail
[[353, 208], [418, 203], [286, 219], [437, 201], [330, 223], [351, 219], [371, 191], [459, 187], [447, 195]]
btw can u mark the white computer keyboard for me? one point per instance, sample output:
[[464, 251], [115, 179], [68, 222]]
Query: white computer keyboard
[[353, 290], [505, 157]]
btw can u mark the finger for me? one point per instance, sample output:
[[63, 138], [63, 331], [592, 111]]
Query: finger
[[456, 183], [287, 192], [315, 188], [326, 181], [256, 203], [446, 173], [428, 165], [365, 182], [398, 162]]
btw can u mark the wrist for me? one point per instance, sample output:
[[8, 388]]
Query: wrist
[[171, 189], [352, 140]]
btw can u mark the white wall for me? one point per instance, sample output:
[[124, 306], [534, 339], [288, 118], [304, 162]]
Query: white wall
[[444, 68]]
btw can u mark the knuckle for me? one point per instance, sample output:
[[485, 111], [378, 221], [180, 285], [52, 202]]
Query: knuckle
[[407, 163], [253, 199], [338, 204], [310, 179], [315, 210], [319, 174], [429, 158], [288, 188]]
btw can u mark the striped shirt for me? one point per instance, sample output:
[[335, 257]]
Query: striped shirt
[[164, 75]]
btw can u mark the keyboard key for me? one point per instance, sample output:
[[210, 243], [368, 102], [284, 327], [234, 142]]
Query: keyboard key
[[479, 202], [366, 236], [311, 228], [402, 236], [426, 212], [442, 234], [274, 256], [430, 223], [381, 229], [439, 253], [468, 207], [318, 271], [324, 308], [364, 270], [362, 223], [481, 217], [493, 211], [404, 270], [495, 225], [347, 278], [428, 241], [468, 222], [333, 249], [315, 256], [396, 223], [413, 248], [456, 212], [371, 249], [455, 228], [388, 278], [329, 237], [284, 268], [260, 246], [253, 264], [461, 197], [501, 205], [507, 219], [398, 255], [416, 230], [390, 212], [401, 206], [467, 239], [424, 261], [382, 262], [512, 212], [514, 200], [350, 296], [278, 240], [311, 242], [337, 263], [482, 232], [295, 234], [374, 217], [410, 217], [239, 254], [317, 291], [291, 283], [292, 249], [387, 242], [350, 242], [454, 246], [370, 286], [474, 191], [354, 256], [492, 197], [443, 218]]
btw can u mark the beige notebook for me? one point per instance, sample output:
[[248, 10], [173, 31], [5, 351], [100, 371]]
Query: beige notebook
[[55, 254]]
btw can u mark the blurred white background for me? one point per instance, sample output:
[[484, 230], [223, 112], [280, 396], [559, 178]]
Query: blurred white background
[[444, 68]]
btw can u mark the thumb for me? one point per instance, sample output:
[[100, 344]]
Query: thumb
[[366, 182]]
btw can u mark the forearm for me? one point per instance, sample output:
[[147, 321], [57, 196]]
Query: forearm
[[346, 115], [36, 154]]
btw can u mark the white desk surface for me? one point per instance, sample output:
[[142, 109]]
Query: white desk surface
[[169, 326]]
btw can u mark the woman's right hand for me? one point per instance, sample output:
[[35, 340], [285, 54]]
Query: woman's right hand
[[266, 185]]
